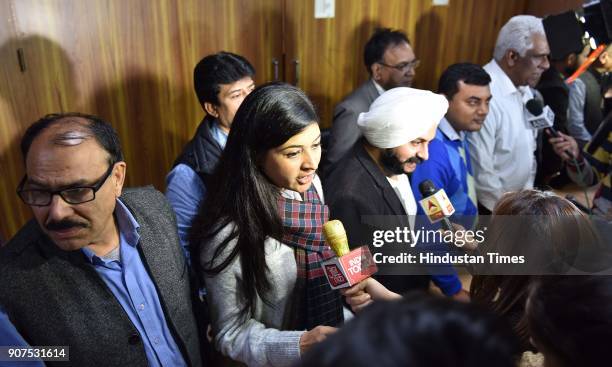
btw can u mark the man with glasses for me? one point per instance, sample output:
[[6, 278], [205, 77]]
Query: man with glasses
[[99, 270], [391, 63], [503, 149]]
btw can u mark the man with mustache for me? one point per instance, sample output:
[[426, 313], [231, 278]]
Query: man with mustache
[[370, 189], [503, 150], [99, 269], [391, 63]]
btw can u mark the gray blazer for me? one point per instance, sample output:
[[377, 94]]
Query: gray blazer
[[54, 297], [344, 130]]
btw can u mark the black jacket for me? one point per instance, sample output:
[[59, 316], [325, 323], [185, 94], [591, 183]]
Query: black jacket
[[359, 195], [202, 152]]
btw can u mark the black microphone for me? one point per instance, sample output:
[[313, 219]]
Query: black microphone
[[436, 204], [543, 119]]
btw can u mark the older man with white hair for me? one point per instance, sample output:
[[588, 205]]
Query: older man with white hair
[[502, 151], [369, 189]]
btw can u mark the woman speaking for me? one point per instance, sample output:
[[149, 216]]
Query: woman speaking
[[259, 234]]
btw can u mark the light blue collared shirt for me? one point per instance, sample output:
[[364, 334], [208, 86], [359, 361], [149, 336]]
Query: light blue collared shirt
[[218, 134], [130, 283], [185, 191]]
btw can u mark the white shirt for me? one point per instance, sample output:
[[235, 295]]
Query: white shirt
[[401, 186], [502, 151], [294, 195]]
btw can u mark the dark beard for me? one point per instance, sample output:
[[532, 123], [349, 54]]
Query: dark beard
[[393, 165]]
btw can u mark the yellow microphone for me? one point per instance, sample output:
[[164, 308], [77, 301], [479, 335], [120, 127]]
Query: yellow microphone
[[348, 267], [335, 235]]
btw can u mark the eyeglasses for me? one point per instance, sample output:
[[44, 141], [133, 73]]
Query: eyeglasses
[[404, 66], [72, 195]]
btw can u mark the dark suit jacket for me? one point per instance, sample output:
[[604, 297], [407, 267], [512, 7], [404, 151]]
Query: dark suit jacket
[[556, 95], [344, 130], [359, 195], [54, 297]]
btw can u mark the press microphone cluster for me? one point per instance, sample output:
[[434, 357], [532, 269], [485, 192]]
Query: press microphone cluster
[[435, 204], [348, 267]]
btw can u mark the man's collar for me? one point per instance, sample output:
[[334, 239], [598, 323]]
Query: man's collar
[[218, 133], [126, 225], [503, 82], [447, 129], [380, 89]]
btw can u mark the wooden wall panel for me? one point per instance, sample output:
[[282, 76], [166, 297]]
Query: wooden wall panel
[[330, 51], [543, 8], [12, 213], [130, 62]]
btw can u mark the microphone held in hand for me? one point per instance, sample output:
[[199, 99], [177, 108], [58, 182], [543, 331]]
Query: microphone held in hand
[[349, 267], [540, 116], [436, 204], [335, 235]]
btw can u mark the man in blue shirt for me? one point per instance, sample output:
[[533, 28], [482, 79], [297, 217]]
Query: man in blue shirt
[[221, 82], [466, 86], [100, 269]]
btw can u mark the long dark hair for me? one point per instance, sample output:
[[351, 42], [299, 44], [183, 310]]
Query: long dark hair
[[548, 227], [241, 194]]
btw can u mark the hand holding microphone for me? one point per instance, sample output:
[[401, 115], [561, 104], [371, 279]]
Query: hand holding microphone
[[542, 117], [565, 146], [363, 293]]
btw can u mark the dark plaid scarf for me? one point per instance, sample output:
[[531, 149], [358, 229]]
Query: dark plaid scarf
[[315, 303]]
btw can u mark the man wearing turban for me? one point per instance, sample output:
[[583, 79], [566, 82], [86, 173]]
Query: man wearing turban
[[369, 189]]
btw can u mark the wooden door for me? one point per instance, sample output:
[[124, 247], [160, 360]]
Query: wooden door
[[130, 62], [330, 51]]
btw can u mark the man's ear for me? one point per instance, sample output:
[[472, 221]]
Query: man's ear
[[211, 109], [376, 69], [511, 57], [119, 176]]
